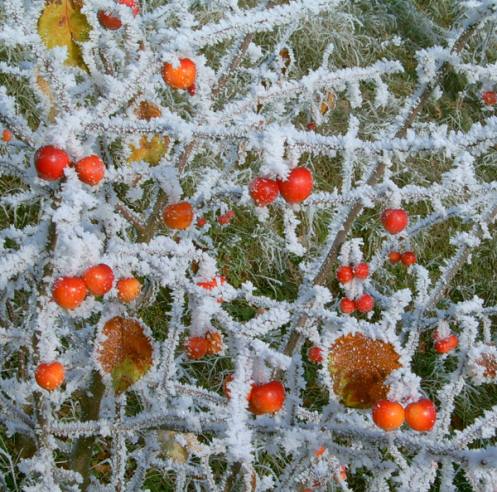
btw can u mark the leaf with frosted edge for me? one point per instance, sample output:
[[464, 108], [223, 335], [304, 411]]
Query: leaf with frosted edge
[[359, 367], [150, 150], [62, 24], [126, 353]]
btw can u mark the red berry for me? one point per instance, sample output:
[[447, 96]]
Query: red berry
[[361, 271], [50, 162], [267, 398], [201, 222], [388, 415], [394, 256], [178, 215], [192, 90], [421, 415], [298, 186], [182, 76], [111, 21], [50, 375], [365, 303], [489, 98], [345, 274], [394, 220], [446, 345], [69, 292], [264, 191], [226, 218], [91, 170], [99, 279], [347, 306], [196, 347], [6, 135], [315, 354], [128, 289], [311, 125], [408, 258]]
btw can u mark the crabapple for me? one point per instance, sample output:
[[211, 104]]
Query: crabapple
[[388, 415]]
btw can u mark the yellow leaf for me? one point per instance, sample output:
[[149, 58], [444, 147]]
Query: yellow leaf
[[150, 150], [62, 24], [126, 353], [359, 367]]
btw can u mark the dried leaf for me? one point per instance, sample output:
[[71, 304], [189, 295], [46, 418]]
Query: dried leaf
[[47, 91], [62, 24], [359, 367], [147, 110], [150, 150], [329, 102], [126, 353]]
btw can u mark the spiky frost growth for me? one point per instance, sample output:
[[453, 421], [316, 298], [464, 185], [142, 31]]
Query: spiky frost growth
[[136, 400]]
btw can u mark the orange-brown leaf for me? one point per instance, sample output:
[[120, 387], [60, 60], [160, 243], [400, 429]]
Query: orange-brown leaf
[[126, 353], [359, 367], [147, 110]]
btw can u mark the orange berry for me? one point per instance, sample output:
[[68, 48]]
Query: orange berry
[[182, 76], [408, 258], [178, 215], [388, 415], [446, 345], [267, 398], [7, 135], [69, 292], [394, 256], [214, 341], [99, 279], [90, 170], [421, 415], [196, 347], [128, 289], [50, 375]]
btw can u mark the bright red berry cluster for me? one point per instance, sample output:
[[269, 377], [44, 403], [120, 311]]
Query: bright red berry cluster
[[419, 416], [407, 258], [364, 303]]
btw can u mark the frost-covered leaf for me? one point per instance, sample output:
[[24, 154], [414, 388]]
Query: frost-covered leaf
[[126, 352], [150, 150], [359, 367], [62, 24]]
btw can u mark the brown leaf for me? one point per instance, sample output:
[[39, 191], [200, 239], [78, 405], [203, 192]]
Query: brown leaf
[[359, 367], [147, 110], [45, 88], [329, 102], [126, 353]]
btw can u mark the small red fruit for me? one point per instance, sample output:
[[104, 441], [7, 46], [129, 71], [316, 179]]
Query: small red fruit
[[394, 256], [388, 415], [196, 347], [7, 135], [91, 170], [361, 271], [69, 292], [319, 452], [226, 218], [178, 215], [298, 186], [201, 222], [182, 76], [408, 258], [394, 220], [128, 289], [365, 303], [192, 90], [99, 279], [345, 274], [315, 354], [267, 398], [311, 125], [214, 342], [489, 98], [50, 162], [347, 306], [421, 415], [50, 375], [264, 191], [216, 281], [112, 22], [446, 345]]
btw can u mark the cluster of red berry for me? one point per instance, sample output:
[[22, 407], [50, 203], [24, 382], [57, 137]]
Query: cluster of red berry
[[263, 398], [70, 292], [295, 189], [50, 163], [364, 303], [390, 415], [198, 347], [407, 258], [444, 344]]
